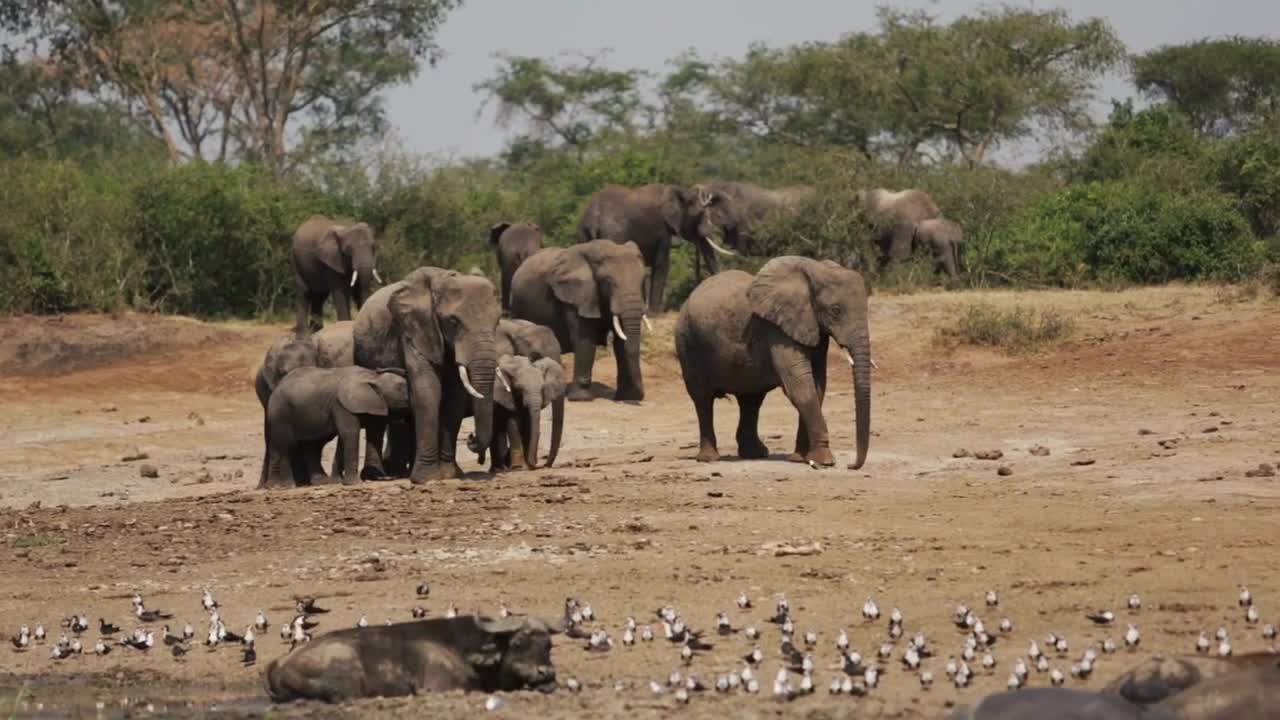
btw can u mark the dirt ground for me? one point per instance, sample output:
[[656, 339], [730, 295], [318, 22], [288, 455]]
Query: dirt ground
[[1152, 415]]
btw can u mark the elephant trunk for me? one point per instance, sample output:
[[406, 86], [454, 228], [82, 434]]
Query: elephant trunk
[[630, 315], [861, 353], [534, 414], [362, 275], [557, 430], [477, 354]]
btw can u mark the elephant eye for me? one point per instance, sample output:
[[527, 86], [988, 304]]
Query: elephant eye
[[836, 312]]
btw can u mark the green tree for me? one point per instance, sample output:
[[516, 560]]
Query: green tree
[[1223, 85]]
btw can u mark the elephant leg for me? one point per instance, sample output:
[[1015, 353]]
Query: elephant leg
[[625, 381], [316, 323], [452, 410], [750, 447], [704, 405], [339, 460], [427, 398], [315, 469], [584, 357], [401, 438], [795, 368], [900, 246], [342, 301], [373, 468], [277, 470], [658, 276], [805, 441], [298, 467], [498, 458], [515, 443], [506, 289], [301, 325], [346, 469]]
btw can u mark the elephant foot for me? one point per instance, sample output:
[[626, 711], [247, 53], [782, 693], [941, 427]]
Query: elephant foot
[[423, 474], [708, 453], [628, 395], [752, 449], [372, 472], [579, 393], [277, 484], [821, 456], [322, 479]]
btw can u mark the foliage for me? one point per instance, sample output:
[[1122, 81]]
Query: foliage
[[1248, 167], [1223, 85], [1132, 138], [1012, 331]]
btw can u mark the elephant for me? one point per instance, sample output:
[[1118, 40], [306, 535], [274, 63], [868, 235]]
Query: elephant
[[580, 293], [735, 208], [311, 406], [521, 337], [894, 217], [945, 239], [286, 354], [513, 244], [526, 386], [439, 327], [330, 258], [744, 336], [335, 344], [649, 216]]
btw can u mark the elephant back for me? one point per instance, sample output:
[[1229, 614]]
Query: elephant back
[[336, 344], [375, 339]]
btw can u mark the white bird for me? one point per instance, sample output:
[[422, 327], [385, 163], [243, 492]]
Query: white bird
[[951, 667], [286, 632], [835, 687], [1131, 636], [962, 611], [918, 642], [1042, 664], [842, 640], [686, 654], [1268, 632], [248, 637], [1015, 682], [1108, 646], [1251, 615], [1104, 617], [1245, 598], [587, 613], [870, 677], [988, 662], [926, 679], [1006, 625], [979, 629], [1224, 648], [753, 686], [744, 602], [207, 601], [362, 622], [870, 610], [751, 632], [911, 658], [188, 632], [886, 650], [1061, 646], [1222, 632], [1020, 668], [451, 611], [39, 633], [682, 696], [895, 631], [628, 637], [810, 638], [646, 633], [1202, 643], [100, 648], [895, 616], [1135, 602], [992, 599], [260, 622], [493, 702], [1033, 651], [1056, 677]]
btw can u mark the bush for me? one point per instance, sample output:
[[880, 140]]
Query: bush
[[1127, 231], [1013, 331]]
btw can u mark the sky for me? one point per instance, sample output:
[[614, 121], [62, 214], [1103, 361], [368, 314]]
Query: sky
[[436, 113]]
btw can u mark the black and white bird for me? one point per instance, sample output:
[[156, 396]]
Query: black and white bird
[[1251, 615], [1108, 646], [150, 616], [723, 626], [168, 638], [418, 612], [926, 679], [22, 640], [78, 623], [599, 642], [101, 648], [364, 621], [307, 606], [1006, 625], [755, 657], [1042, 664], [895, 616], [452, 611], [992, 599], [751, 633], [260, 622], [810, 638], [188, 633], [38, 634], [1135, 602], [207, 601], [423, 590], [1056, 677], [870, 610], [1132, 637], [1246, 599], [1033, 651], [1014, 682], [587, 613], [1268, 632], [106, 628], [1020, 669], [842, 641], [249, 656], [628, 637], [1224, 648], [1102, 617], [646, 633], [911, 658], [1222, 632], [744, 601], [1202, 643]]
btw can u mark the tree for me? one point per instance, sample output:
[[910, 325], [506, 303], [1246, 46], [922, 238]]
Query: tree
[[1223, 85], [570, 102], [269, 79]]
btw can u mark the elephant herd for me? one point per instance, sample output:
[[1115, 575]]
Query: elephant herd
[[429, 350]]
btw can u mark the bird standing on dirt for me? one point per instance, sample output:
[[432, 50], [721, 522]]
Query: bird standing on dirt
[[207, 601], [307, 606], [106, 628], [22, 640], [1102, 617], [150, 616]]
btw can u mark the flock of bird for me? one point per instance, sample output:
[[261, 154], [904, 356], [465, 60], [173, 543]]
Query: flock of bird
[[852, 673]]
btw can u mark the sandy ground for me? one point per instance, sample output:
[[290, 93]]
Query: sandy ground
[[1152, 416]]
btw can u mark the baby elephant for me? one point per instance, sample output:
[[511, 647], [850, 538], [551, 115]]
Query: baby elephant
[[311, 406], [534, 382]]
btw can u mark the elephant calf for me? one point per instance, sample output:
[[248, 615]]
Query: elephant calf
[[744, 336], [313, 405], [526, 386]]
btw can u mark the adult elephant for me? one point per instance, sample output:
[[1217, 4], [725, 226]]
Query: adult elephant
[[945, 239], [288, 353], [530, 340], [331, 258], [895, 216], [744, 336], [649, 216], [438, 325], [736, 209], [513, 244], [580, 293]]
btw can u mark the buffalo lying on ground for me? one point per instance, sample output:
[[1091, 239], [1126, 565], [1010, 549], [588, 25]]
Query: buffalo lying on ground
[[467, 653], [1181, 688]]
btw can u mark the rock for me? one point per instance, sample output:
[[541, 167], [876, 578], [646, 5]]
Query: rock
[[109, 408], [1085, 461], [204, 478], [1004, 471], [961, 453], [144, 419], [135, 456], [989, 454], [1144, 431], [1211, 429], [1039, 451], [149, 471], [1264, 470], [780, 549]]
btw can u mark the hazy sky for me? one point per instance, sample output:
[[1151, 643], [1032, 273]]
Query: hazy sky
[[437, 113]]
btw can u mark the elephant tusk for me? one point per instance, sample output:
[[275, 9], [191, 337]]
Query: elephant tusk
[[466, 382], [848, 356], [874, 366], [648, 325], [617, 329], [377, 277], [502, 377], [355, 275], [719, 249]]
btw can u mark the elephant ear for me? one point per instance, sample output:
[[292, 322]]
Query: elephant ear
[[359, 395], [329, 250], [781, 294], [573, 283], [509, 366], [496, 230], [553, 382], [393, 386], [674, 207], [413, 308]]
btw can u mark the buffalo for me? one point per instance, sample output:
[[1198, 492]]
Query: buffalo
[[466, 652]]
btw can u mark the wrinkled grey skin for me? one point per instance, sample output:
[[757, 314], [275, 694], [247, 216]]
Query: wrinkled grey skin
[[286, 354], [648, 216], [433, 324], [325, 255], [530, 340], [1180, 688], [535, 382], [745, 335], [736, 208], [945, 239], [335, 344], [577, 292], [466, 653], [311, 406], [513, 244], [895, 216]]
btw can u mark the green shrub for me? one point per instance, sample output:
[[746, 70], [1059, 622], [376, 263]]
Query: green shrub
[[1015, 330]]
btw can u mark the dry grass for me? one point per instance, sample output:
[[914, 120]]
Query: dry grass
[[1013, 331]]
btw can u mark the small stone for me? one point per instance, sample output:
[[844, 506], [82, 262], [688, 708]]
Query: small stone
[[1086, 461], [144, 419], [1144, 431], [109, 408], [1211, 429], [1040, 451], [135, 456], [989, 454], [1004, 471], [961, 453], [149, 471]]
